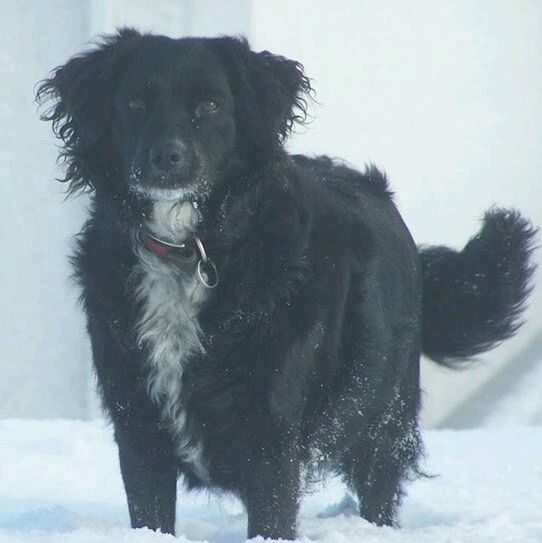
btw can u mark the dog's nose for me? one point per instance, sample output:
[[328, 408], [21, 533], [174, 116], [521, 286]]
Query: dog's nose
[[168, 156]]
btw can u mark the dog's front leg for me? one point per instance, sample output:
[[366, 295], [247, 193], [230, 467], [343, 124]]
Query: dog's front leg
[[146, 455], [272, 496], [150, 480]]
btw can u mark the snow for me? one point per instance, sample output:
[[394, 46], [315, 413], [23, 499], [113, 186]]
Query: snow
[[60, 483]]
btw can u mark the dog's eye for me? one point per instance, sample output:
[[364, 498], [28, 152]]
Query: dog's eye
[[136, 104], [208, 106]]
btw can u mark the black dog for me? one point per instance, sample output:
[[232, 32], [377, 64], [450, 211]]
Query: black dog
[[305, 357]]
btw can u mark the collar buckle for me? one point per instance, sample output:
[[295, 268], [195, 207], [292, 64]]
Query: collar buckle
[[206, 270]]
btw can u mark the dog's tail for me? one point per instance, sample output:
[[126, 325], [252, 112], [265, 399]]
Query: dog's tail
[[473, 299]]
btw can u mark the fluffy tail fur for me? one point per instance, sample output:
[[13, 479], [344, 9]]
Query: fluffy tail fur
[[473, 299]]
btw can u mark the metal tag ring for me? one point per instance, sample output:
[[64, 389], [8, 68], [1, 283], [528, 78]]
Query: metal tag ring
[[167, 243], [201, 249], [200, 274]]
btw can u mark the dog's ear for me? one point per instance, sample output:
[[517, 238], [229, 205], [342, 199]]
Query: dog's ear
[[270, 92], [82, 92]]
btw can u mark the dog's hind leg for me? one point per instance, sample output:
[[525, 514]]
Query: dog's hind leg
[[384, 457], [377, 424], [376, 469]]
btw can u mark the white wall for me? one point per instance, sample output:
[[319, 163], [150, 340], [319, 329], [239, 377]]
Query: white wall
[[173, 18], [43, 349], [445, 97]]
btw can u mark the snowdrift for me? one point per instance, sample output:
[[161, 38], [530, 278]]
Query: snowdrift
[[60, 483]]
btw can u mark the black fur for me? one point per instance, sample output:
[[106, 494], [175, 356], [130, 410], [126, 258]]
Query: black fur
[[473, 299], [314, 333]]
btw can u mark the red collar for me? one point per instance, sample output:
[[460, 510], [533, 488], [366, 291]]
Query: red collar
[[162, 249], [206, 269]]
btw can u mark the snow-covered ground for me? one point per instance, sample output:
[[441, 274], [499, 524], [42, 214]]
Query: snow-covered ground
[[60, 483]]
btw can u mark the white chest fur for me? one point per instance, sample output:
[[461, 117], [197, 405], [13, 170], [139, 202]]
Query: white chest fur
[[168, 326]]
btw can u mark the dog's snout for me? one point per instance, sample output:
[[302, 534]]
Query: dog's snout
[[167, 156]]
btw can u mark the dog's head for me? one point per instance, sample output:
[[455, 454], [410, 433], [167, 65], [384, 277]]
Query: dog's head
[[165, 118]]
